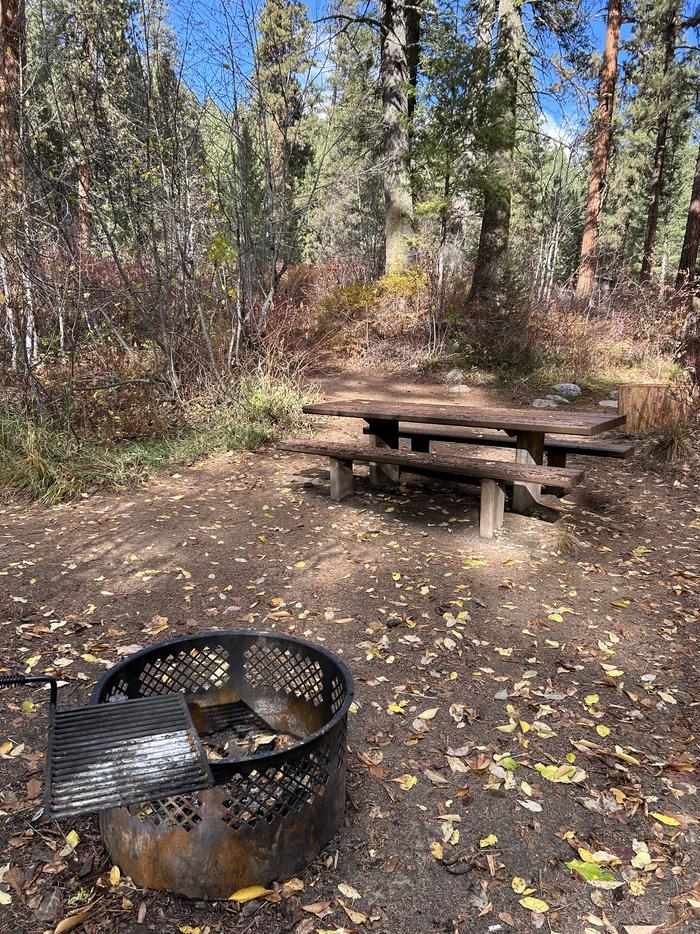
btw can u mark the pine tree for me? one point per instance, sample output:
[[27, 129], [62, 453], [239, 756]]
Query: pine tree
[[600, 152], [395, 72], [490, 268]]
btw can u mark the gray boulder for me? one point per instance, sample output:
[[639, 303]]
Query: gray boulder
[[455, 376], [570, 390], [608, 403], [558, 399], [544, 404], [459, 389]]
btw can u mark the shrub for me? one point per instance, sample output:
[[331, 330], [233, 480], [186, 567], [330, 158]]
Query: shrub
[[45, 460]]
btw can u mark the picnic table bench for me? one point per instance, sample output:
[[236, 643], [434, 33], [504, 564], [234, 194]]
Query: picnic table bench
[[525, 426], [492, 474], [556, 450]]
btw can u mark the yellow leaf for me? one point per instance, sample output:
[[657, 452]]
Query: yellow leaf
[[357, 917], [5, 747], [5, 898], [556, 617], [621, 603], [187, 929], [665, 819], [602, 730], [89, 658], [488, 841], [518, 885], [72, 839], [591, 699], [396, 576], [534, 904], [249, 893], [395, 708], [436, 849], [406, 781], [114, 875], [31, 662]]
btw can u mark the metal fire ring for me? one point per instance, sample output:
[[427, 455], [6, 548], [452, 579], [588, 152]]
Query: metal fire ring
[[269, 813]]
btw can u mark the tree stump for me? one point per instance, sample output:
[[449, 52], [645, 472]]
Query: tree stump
[[649, 405]]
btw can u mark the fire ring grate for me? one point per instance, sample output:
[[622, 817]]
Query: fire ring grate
[[271, 712]]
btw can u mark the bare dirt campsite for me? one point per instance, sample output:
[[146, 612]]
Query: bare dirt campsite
[[349, 466], [522, 742]]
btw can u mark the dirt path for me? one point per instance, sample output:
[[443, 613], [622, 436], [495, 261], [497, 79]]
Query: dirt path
[[530, 657]]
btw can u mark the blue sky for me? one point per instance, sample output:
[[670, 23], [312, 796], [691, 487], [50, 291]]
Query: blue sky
[[208, 29]]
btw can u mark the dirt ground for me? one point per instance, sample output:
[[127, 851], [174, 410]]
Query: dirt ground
[[520, 705]]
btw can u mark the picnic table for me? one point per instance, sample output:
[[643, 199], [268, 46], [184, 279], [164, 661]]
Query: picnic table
[[528, 425]]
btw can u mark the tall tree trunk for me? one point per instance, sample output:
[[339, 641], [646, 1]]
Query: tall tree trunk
[[395, 79], [660, 149], [490, 267], [12, 47], [691, 240], [690, 344], [601, 152]]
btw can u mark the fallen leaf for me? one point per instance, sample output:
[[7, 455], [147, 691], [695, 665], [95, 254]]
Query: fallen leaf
[[249, 893], [534, 904], [348, 891], [665, 819], [73, 921], [488, 841], [320, 909]]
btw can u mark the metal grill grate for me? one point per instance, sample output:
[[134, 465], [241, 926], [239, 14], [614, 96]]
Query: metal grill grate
[[113, 754]]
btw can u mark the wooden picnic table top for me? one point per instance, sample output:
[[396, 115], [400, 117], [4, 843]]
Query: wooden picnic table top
[[546, 421]]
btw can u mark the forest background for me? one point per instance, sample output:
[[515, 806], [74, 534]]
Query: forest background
[[198, 203]]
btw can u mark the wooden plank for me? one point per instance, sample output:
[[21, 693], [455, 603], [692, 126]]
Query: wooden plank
[[341, 479], [529, 449], [508, 419], [421, 435], [493, 500], [383, 434], [442, 463]]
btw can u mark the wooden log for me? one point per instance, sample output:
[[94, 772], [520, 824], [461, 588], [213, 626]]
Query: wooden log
[[649, 405], [493, 500], [341, 479]]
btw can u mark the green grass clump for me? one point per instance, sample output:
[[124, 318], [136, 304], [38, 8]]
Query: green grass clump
[[48, 463]]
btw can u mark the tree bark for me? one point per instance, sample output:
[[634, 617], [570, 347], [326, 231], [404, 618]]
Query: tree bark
[[491, 261], [691, 240], [12, 40], [690, 342], [657, 177], [395, 78], [601, 153]]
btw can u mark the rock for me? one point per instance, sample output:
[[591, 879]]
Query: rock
[[454, 376], [459, 388], [608, 403], [558, 399], [570, 390], [544, 404], [613, 394]]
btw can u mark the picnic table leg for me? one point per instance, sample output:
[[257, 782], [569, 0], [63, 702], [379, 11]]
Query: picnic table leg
[[383, 434], [529, 449]]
